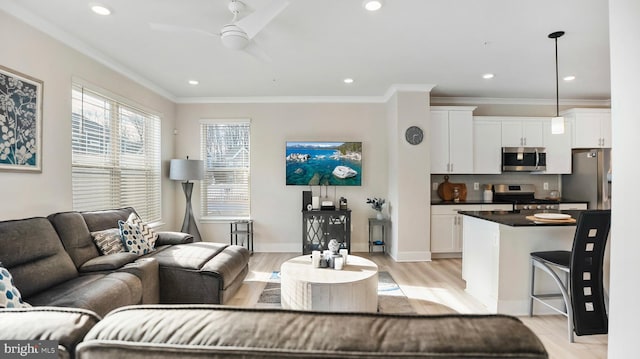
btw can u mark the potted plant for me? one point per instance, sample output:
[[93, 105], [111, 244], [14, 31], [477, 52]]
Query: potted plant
[[377, 204]]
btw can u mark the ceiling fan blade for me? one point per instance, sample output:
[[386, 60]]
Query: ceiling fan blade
[[256, 21], [179, 29], [256, 51]]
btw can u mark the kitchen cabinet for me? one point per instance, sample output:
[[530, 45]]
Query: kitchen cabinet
[[522, 132], [591, 127], [451, 139], [446, 225], [558, 148], [487, 151]]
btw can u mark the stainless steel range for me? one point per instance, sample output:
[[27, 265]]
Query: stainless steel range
[[522, 196]]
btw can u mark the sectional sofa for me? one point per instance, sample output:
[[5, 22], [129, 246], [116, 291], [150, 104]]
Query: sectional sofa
[[99, 306]]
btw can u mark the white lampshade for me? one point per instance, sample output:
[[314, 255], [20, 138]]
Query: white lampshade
[[557, 125], [185, 170]]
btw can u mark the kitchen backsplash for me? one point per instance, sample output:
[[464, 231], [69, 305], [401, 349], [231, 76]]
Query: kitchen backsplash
[[537, 180]]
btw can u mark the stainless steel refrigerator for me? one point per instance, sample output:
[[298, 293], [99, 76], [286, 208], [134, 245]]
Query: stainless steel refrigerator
[[590, 178]]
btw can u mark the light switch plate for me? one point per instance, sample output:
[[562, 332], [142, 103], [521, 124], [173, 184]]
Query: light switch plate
[[545, 186], [476, 186], [434, 186]]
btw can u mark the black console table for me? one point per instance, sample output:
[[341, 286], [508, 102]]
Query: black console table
[[321, 226]]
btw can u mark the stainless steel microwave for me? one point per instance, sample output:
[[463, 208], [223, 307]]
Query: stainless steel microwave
[[524, 159]]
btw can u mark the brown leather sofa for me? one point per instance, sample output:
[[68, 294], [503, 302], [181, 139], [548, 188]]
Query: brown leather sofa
[[201, 272], [209, 331]]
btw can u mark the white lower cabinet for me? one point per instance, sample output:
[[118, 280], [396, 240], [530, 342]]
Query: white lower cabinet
[[446, 224]]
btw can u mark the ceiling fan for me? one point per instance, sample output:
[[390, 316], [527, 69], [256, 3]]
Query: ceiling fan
[[239, 33]]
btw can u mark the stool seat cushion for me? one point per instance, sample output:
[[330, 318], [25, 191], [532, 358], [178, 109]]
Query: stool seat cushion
[[558, 258]]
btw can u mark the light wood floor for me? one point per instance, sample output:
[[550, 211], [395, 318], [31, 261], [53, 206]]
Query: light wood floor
[[435, 287]]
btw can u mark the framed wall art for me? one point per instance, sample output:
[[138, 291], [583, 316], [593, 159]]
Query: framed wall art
[[20, 121]]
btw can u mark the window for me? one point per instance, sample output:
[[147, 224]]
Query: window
[[225, 151], [115, 155]]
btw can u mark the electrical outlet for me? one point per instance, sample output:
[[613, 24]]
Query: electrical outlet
[[434, 186], [476, 186], [545, 186]]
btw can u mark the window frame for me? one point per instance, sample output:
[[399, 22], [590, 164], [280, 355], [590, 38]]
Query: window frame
[[121, 175], [205, 183]]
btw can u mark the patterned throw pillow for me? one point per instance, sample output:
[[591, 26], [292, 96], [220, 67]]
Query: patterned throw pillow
[[146, 231], [108, 241], [132, 239], [9, 295]]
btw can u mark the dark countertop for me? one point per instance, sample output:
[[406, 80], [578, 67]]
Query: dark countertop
[[517, 218], [437, 202]]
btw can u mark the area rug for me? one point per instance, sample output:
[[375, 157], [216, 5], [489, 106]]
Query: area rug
[[391, 299]]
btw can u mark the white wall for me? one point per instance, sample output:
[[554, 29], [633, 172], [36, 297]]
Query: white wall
[[276, 207], [33, 53], [625, 246]]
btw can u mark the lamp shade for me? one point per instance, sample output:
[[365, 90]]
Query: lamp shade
[[185, 170], [557, 125]]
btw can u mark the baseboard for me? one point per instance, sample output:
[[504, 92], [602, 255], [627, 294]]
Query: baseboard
[[411, 256], [278, 247], [446, 255]]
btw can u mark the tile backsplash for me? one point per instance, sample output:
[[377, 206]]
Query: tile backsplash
[[537, 180]]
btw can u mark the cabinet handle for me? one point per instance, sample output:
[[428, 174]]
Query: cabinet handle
[[524, 139], [451, 167]]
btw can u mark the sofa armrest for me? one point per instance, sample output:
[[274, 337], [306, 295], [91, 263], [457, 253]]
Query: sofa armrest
[[167, 237], [147, 269], [109, 262], [68, 326]]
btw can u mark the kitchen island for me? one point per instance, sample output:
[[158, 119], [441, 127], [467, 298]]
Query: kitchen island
[[495, 257]]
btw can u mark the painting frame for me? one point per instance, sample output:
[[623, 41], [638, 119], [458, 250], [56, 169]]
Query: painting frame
[[20, 121]]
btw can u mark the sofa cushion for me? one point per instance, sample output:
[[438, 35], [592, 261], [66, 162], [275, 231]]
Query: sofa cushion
[[132, 238], [228, 264], [99, 293], [75, 236], [10, 296], [195, 332], [31, 250], [109, 262], [109, 241], [192, 256], [105, 219], [149, 235], [67, 326]]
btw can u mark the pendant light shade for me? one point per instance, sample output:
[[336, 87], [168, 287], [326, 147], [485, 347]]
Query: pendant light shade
[[557, 123]]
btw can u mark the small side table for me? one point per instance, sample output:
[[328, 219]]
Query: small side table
[[384, 226], [244, 230]]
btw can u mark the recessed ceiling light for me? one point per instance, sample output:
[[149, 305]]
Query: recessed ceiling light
[[348, 80], [100, 10], [488, 76], [569, 78], [193, 82], [372, 5]]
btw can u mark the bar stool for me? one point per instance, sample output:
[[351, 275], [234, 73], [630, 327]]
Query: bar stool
[[582, 289]]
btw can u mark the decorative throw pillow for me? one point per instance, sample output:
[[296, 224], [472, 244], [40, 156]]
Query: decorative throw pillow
[[9, 295], [132, 239], [146, 231], [108, 241]]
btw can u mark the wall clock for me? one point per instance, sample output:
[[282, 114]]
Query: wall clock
[[414, 135]]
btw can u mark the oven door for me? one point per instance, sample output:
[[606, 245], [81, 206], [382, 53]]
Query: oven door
[[523, 159]]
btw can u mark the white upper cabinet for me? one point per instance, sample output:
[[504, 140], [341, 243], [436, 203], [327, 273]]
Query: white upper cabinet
[[451, 139], [522, 132], [558, 148], [487, 149], [591, 127]]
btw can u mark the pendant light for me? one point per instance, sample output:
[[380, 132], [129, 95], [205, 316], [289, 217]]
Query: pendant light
[[557, 123]]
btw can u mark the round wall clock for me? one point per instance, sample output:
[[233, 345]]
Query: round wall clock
[[414, 135]]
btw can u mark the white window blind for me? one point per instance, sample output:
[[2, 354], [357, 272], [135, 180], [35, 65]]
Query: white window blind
[[115, 155], [226, 153]]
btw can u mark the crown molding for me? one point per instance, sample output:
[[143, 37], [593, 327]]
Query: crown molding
[[57, 33], [280, 99], [516, 101], [395, 88]]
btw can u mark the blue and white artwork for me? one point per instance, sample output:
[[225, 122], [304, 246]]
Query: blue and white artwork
[[324, 163], [20, 121]]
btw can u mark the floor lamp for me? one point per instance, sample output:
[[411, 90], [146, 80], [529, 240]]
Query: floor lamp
[[186, 170]]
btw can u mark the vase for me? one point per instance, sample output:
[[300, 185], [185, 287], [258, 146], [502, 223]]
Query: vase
[[379, 216]]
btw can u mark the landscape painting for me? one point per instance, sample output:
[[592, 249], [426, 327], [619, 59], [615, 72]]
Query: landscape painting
[[324, 163]]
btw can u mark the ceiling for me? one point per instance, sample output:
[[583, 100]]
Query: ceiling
[[315, 44]]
